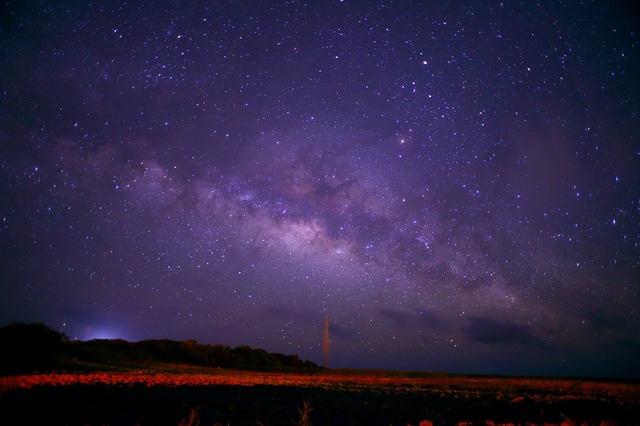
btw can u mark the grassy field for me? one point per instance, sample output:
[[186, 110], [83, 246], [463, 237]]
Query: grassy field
[[167, 394]]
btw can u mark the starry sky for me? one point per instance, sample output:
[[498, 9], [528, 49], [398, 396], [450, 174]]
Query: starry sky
[[456, 184]]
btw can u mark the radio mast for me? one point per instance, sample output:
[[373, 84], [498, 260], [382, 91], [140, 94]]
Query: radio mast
[[325, 345]]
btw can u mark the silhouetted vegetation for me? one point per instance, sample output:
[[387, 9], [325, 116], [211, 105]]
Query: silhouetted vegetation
[[187, 352], [29, 347]]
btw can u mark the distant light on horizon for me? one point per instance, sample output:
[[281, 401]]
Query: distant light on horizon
[[104, 332]]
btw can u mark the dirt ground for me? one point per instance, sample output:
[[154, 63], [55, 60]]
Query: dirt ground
[[242, 398]]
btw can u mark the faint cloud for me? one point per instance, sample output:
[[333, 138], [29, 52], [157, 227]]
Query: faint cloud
[[282, 312], [399, 318], [341, 332], [497, 332], [429, 319], [421, 318], [602, 322]]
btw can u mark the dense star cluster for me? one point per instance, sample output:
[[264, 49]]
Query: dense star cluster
[[455, 184]]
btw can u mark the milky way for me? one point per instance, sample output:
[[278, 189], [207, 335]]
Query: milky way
[[456, 185]]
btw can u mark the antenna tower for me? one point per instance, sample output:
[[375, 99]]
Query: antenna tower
[[325, 344]]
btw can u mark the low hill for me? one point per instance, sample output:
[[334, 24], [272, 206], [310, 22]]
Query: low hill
[[36, 347]]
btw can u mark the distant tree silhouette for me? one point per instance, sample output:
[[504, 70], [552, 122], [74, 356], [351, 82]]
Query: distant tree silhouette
[[28, 347]]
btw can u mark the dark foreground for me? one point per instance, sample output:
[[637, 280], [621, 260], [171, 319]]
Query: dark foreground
[[335, 400]]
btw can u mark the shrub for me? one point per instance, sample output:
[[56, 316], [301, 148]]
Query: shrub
[[29, 347]]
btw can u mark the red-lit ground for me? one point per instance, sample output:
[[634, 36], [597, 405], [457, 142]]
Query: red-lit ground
[[164, 397]]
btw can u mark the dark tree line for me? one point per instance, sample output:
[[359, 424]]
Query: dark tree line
[[28, 347]]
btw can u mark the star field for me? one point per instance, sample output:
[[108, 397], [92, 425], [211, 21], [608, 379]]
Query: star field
[[456, 185]]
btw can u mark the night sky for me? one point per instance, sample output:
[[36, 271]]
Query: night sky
[[455, 184]]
